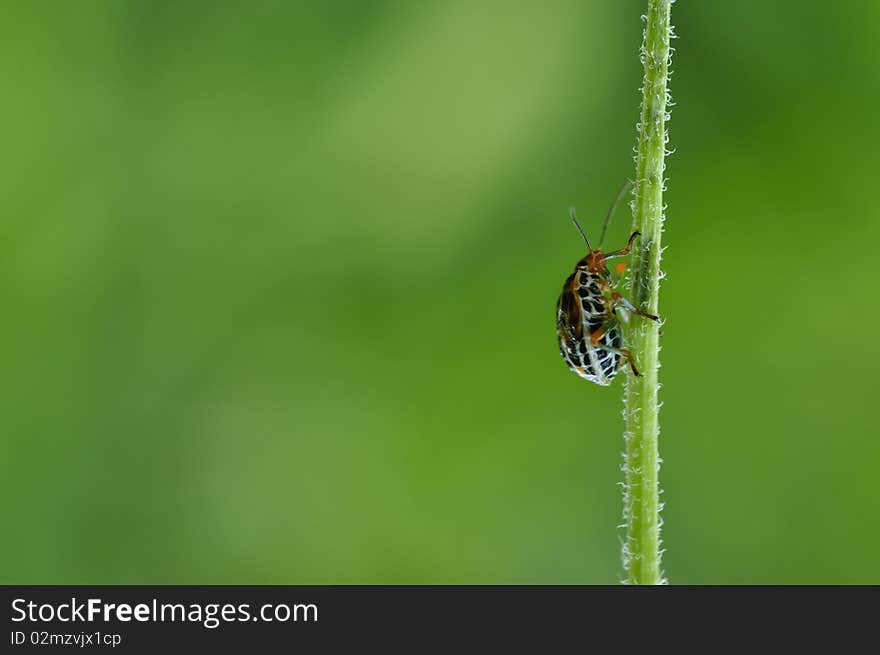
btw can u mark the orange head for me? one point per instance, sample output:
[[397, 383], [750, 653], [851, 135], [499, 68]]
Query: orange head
[[593, 262]]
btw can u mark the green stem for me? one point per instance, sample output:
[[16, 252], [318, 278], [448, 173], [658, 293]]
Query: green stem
[[641, 409]]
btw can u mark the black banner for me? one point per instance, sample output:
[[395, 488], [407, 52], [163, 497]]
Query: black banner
[[324, 618]]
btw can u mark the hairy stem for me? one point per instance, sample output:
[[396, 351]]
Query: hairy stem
[[641, 407]]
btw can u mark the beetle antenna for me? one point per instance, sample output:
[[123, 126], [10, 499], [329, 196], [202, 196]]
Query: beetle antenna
[[578, 226], [626, 187]]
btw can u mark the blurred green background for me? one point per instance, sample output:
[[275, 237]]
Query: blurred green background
[[278, 285]]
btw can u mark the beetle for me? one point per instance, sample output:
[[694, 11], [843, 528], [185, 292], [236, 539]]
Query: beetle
[[589, 311]]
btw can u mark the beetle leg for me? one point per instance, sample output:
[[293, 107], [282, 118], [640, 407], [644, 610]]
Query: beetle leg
[[597, 335], [628, 306], [627, 355], [625, 250]]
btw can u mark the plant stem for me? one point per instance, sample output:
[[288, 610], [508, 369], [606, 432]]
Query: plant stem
[[641, 408]]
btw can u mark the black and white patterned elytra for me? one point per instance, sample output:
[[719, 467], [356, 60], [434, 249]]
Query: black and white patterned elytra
[[582, 311]]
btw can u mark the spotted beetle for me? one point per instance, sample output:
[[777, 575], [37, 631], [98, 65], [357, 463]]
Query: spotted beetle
[[589, 310]]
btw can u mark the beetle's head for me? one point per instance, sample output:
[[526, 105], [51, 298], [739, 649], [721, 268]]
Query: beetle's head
[[594, 262]]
